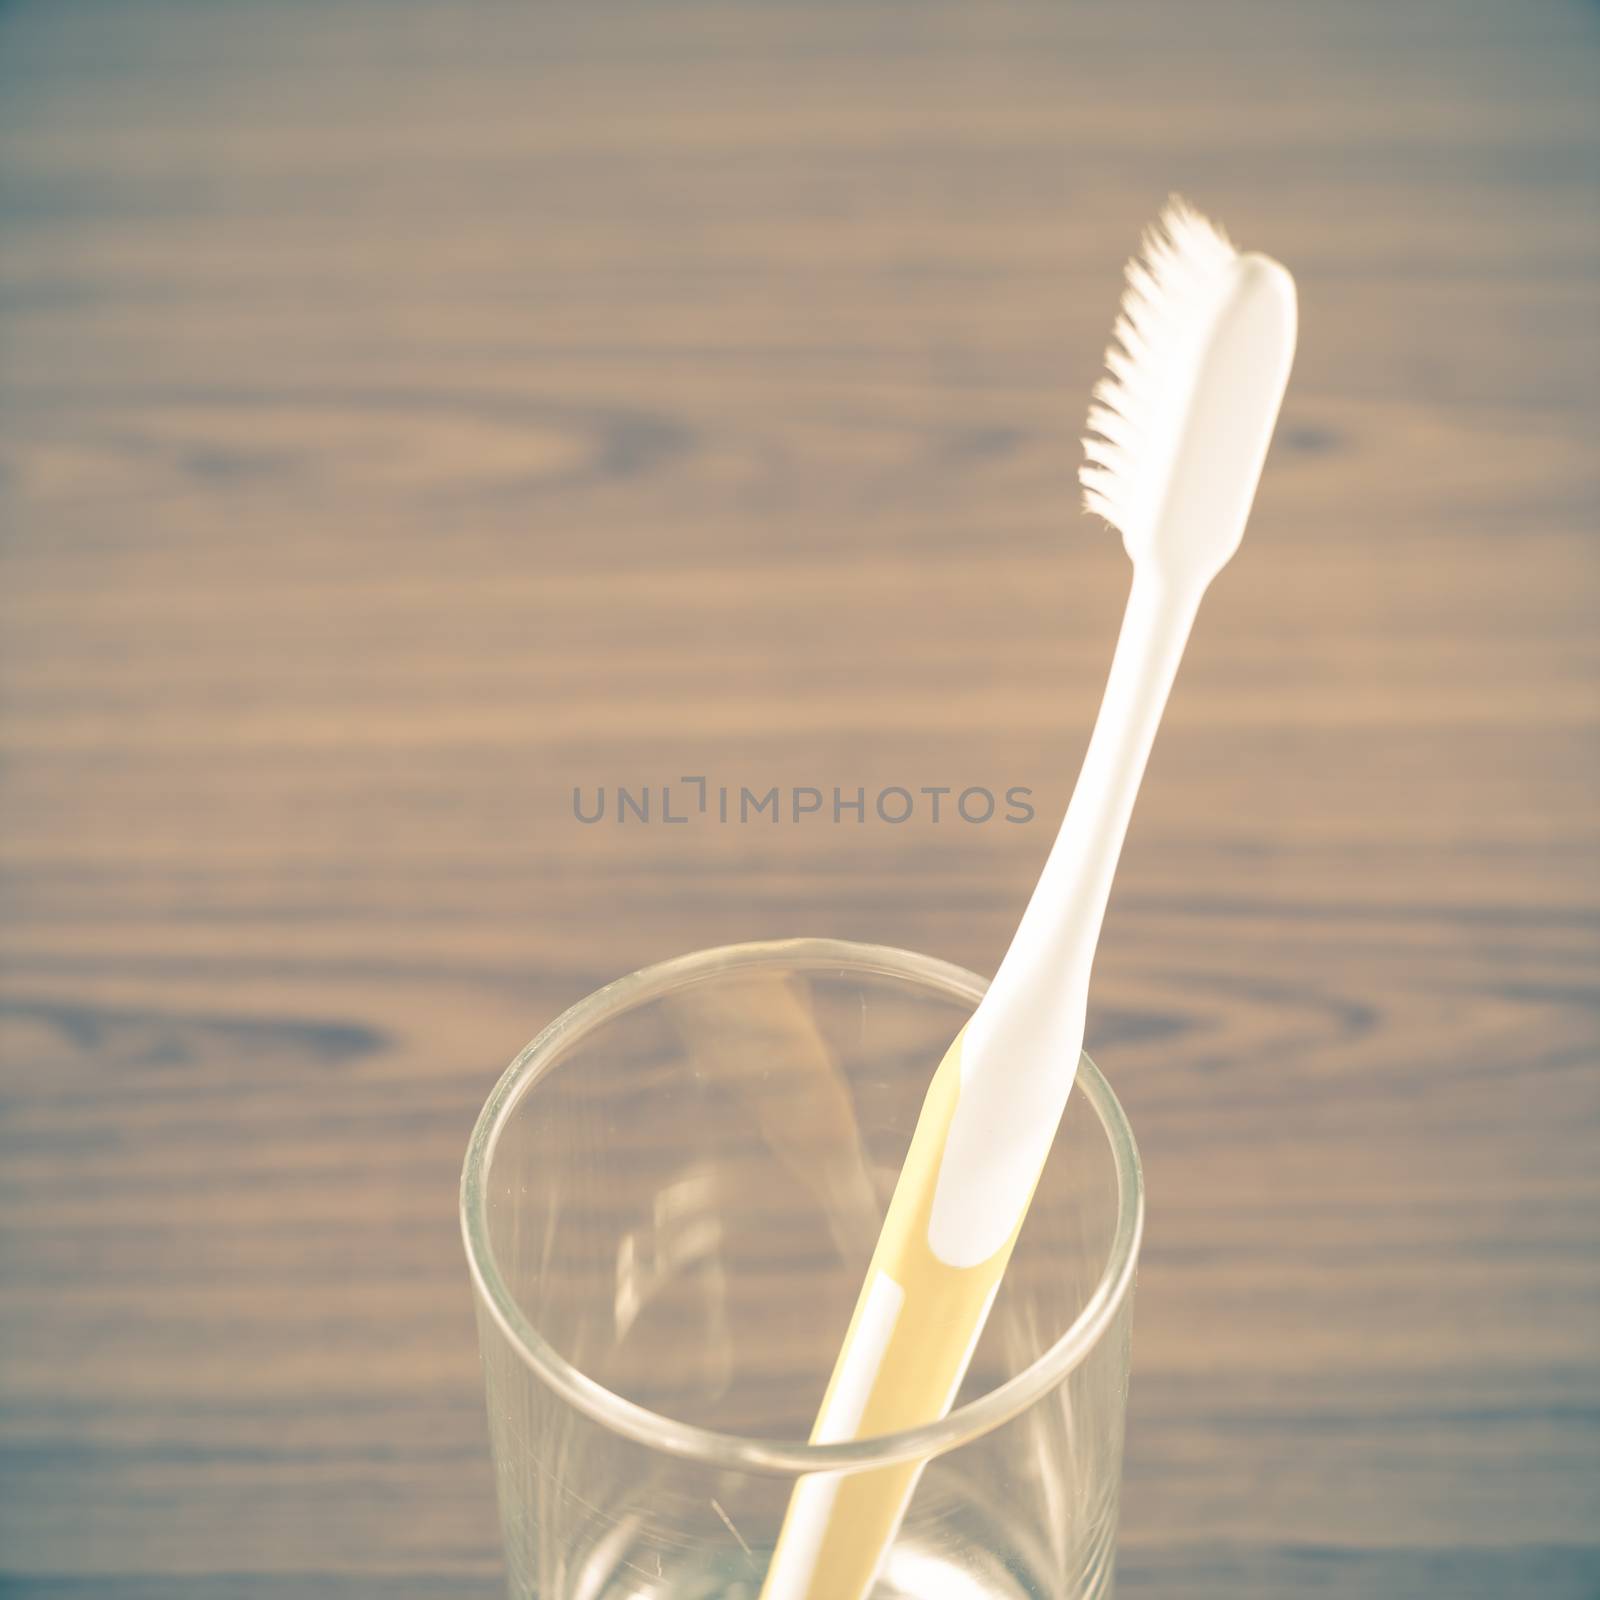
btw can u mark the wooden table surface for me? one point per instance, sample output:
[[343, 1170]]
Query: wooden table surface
[[411, 412]]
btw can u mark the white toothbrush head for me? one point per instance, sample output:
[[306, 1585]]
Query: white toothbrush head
[[1180, 424]]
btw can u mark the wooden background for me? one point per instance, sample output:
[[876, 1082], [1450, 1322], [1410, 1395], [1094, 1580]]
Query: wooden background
[[409, 412]]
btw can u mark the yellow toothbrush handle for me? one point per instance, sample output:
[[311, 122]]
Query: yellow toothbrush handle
[[911, 1338]]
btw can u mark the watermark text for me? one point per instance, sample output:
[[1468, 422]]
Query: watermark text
[[685, 800]]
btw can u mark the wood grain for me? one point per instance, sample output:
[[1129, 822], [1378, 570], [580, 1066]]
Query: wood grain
[[410, 413]]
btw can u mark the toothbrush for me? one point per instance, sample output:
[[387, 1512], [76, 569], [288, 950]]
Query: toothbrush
[[1179, 429]]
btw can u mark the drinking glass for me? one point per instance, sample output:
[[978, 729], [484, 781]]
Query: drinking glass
[[669, 1204]]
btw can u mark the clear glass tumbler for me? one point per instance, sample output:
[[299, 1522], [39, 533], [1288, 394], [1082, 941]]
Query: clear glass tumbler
[[669, 1204]]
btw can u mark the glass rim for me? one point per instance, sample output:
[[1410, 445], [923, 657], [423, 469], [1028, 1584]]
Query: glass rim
[[743, 1452]]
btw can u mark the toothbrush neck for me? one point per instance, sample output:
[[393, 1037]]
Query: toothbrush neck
[[1060, 929]]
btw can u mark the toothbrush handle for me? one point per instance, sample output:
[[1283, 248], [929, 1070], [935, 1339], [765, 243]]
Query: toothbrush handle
[[911, 1339], [918, 1319]]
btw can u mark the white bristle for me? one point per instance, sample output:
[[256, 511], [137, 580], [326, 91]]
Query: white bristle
[[1174, 289]]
